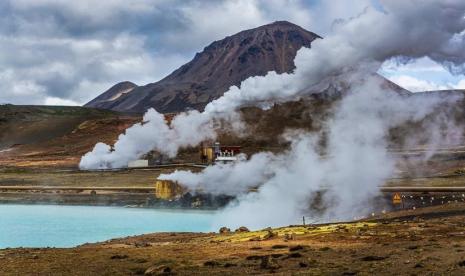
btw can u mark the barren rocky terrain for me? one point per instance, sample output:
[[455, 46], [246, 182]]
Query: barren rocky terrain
[[41, 136], [428, 241]]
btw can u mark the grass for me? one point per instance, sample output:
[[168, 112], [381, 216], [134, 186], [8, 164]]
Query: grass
[[294, 230]]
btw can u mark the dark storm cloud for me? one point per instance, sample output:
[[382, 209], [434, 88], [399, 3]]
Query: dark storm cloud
[[54, 50]]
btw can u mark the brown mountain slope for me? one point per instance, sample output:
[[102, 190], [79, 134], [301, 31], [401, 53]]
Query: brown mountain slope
[[112, 94], [55, 135], [220, 65]]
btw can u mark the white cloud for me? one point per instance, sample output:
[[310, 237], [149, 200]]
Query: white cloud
[[60, 48], [416, 85], [460, 85], [58, 101], [421, 74], [420, 85], [418, 65]]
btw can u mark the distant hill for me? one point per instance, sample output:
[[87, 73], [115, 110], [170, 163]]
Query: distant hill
[[220, 65], [112, 94], [55, 135]]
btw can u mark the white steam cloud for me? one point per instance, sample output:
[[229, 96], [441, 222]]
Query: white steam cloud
[[152, 133], [350, 169], [404, 30], [354, 161]]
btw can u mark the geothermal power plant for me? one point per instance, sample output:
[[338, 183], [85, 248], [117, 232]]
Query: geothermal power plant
[[232, 137]]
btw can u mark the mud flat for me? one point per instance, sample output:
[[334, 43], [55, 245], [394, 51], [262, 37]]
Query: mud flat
[[90, 181], [73, 177], [21, 177], [80, 198], [143, 194], [424, 241]]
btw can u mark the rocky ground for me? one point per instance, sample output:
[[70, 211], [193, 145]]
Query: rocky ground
[[426, 241]]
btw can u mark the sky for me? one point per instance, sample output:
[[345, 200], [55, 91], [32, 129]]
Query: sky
[[61, 52]]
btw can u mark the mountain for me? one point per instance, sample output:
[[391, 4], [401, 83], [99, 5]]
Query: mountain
[[220, 65], [112, 94]]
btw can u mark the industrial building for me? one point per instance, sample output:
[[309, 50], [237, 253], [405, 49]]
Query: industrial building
[[150, 159], [218, 153], [141, 163]]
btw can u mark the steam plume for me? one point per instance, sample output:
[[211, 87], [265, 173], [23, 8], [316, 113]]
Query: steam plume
[[187, 129], [350, 169], [403, 31]]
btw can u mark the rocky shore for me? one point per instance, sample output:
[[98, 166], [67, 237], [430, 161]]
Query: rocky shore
[[423, 241]]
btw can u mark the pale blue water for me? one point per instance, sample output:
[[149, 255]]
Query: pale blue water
[[67, 226]]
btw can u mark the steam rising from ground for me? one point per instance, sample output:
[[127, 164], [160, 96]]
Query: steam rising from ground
[[152, 133], [350, 169], [405, 30], [355, 161]]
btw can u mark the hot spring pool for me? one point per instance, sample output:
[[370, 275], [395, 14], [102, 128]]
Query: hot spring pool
[[68, 226]]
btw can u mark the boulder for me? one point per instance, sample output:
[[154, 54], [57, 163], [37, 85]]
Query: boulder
[[157, 270], [225, 230], [269, 235], [242, 229]]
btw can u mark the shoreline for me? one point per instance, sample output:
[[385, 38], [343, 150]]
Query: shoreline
[[418, 241], [128, 200], [43, 226], [160, 208]]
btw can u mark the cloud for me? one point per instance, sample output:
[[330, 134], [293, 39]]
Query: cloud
[[421, 65], [349, 159], [74, 50], [420, 85], [417, 85], [421, 74], [343, 57], [58, 101]]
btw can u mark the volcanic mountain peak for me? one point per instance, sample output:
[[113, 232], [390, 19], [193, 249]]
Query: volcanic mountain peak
[[252, 52], [220, 65]]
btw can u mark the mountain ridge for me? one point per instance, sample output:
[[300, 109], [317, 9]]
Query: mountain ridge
[[210, 73]]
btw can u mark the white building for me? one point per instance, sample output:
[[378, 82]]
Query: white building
[[138, 163]]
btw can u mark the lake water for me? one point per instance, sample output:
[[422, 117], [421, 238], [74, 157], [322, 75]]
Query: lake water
[[68, 226]]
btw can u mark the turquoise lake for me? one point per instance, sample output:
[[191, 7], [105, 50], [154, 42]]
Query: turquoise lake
[[68, 226]]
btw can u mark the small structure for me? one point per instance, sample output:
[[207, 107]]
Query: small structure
[[141, 163], [207, 154], [218, 153], [225, 159]]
